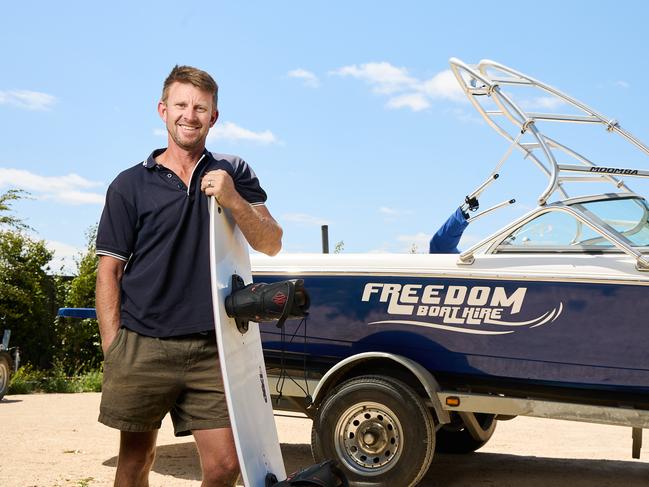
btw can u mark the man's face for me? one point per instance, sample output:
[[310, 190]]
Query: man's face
[[189, 113]]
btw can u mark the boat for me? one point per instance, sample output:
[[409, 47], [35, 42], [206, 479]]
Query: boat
[[546, 316]]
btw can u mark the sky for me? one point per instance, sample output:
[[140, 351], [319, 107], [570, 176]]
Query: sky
[[346, 110]]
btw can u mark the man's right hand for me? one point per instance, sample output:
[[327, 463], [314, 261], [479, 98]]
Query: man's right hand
[[107, 302], [107, 341]]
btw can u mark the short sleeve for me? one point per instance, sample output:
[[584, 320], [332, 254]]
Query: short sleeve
[[116, 231], [247, 183]]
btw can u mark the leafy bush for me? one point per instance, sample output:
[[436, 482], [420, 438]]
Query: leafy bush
[[78, 342], [27, 295], [29, 380], [56, 380], [91, 381], [77, 345], [30, 295], [26, 380]]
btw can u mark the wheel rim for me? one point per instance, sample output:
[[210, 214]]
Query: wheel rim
[[369, 438]]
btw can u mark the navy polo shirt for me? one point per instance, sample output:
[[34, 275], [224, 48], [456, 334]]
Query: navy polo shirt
[[160, 227]]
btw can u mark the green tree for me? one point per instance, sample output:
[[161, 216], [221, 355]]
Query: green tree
[[79, 343], [82, 287], [6, 199], [27, 295]]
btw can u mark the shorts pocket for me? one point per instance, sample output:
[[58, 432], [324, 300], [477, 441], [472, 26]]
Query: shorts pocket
[[117, 342]]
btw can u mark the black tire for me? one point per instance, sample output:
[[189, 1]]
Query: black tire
[[378, 429], [455, 438], [5, 374]]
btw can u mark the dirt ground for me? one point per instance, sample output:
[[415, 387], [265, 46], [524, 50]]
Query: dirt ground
[[55, 440]]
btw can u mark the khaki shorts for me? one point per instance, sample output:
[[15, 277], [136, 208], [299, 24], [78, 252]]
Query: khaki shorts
[[145, 378]]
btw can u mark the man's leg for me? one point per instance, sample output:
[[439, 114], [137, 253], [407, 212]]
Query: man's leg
[[136, 455], [218, 453]]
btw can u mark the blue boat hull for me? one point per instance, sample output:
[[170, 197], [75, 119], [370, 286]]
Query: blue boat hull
[[576, 335]]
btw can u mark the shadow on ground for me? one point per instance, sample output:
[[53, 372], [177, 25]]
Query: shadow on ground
[[478, 469], [494, 469], [9, 401], [181, 460]]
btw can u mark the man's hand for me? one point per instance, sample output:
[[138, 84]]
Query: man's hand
[[256, 223], [107, 302], [219, 184], [107, 341]]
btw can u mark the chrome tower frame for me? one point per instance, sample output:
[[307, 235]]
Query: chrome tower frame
[[488, 80]]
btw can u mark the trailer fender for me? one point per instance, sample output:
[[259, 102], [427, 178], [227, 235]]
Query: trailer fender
[[428, 382]]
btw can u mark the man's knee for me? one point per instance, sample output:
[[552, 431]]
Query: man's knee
[[137, 460], [222, 471], [137, 451]]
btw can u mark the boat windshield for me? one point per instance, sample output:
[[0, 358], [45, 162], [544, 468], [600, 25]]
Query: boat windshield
[[560, 230], [627, 216]]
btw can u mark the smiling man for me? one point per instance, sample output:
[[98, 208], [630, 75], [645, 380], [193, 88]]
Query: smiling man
[[153, 286]]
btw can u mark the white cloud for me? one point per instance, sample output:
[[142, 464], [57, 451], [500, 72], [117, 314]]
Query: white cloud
[[76, 197], [622, 84], [309, 78], [304, 219], [420, 240], [231, 131], [393, 212], [415, 101], [63, 189], [383, 77], [64, 256], [444, 85], [388, 211], [28, 100], [405, 90]]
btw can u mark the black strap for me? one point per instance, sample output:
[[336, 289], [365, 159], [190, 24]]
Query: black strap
[[288, 305]]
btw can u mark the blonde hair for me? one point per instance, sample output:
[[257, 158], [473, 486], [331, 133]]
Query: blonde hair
[[197, 77]]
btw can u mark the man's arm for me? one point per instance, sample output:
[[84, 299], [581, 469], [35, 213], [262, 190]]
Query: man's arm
[[107, 298], [256, 223]]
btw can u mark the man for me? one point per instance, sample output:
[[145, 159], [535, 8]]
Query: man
[[153, 286]]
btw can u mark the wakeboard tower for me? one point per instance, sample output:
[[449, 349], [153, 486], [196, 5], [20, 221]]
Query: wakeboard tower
[[494, 90], [487, 86]]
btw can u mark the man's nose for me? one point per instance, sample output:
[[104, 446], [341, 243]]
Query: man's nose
[[190, 114]]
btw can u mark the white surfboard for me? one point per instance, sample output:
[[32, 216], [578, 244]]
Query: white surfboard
[[241, 358]]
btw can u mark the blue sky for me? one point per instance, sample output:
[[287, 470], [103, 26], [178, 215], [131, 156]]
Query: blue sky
[[345, 109]]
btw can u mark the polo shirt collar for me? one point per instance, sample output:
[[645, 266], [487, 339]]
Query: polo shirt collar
[[150, 161]]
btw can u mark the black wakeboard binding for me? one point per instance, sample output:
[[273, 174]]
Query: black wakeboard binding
[[259, 301]]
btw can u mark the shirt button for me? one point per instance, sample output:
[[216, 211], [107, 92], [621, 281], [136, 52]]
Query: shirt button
[[169, 176]]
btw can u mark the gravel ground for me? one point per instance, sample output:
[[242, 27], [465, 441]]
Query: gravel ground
[[54, 440]]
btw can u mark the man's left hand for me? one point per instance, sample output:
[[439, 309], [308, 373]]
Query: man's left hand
[[219, 184], [256, 223]]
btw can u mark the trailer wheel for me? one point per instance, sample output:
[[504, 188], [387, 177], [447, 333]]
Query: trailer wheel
[[5, 375], [455, 438], [378, 429]]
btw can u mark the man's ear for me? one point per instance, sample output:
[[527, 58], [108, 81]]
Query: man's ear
[[215, 117], [162, 110]]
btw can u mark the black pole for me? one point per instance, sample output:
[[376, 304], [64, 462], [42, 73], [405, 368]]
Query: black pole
[[325, 239]]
